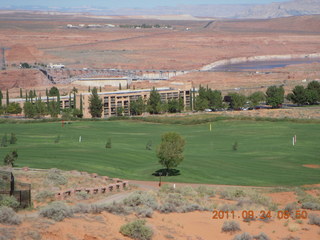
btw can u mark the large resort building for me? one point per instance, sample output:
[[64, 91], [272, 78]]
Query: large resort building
[[117, 99]]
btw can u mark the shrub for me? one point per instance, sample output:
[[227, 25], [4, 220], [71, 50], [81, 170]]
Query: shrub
[[144, 212], [186, 191], [243, 236], [311, 206], [82, 195], [233, 194], [137, 230], [205, 191], [55, 176], [291, 238], [290, 207], [43, 195], [8, 216], [56, 211], [117, 208], [261, 236], [140, 198], [227, 207], [230, 226], [9, 201], [293, 227], [314, 219], [174, 202]]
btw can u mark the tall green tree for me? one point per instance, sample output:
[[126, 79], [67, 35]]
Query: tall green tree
[[175, 105], [313, 92], [154, 102], [1, 97], [237, 100], [275, 96], [137, 107], [53, 108], [81, 107], [95, 104], [40, 108], [29, 110], [54, 91], [7, 97], [21, 93], [75, 91], [255, 98], [298, 95], [170, 151]]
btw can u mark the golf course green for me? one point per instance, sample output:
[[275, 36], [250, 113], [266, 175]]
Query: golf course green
[[265, 154]]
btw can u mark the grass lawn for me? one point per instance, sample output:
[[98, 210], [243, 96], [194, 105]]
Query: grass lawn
[[265, 154]]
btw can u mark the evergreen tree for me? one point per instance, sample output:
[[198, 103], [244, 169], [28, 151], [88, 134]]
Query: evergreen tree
[[95, 104], [81, 107], [1, 97], [7, 97], [28, 109], [21, 93], [137, 107], [154, 102]]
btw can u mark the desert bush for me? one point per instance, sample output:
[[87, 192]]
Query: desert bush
[[290, 207], [230, 226], [174, 202], [186, 191], [81, 208], [262, 200], [232, 194], [56, 211], [243, 236], [204, 191], [82, 195], [192, 207], [314, 219], [291, 238], [117, 208], [261, 236], [293, 227], [144, 212], [137, 230], [55, 176], [166, 189], [227, 207], [9, 201], [8, 216], [244, 202], [44, 195], [140, 198], [311, 206]]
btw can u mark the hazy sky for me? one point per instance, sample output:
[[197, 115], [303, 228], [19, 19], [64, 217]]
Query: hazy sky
[[112, 4]]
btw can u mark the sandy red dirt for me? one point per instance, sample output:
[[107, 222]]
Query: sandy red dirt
[[46, 39]]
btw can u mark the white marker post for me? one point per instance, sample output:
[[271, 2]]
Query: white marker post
[[80, 139], [210, 127], [293, 141]]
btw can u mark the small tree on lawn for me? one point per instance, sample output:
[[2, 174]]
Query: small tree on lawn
[[10, 158], [13, 138], [4, 141], [108, 144], [170, 151], [95, 104]]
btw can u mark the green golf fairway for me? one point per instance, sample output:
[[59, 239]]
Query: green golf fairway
[[265, 155]]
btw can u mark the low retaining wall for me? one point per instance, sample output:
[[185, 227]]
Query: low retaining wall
[[95, 190]]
